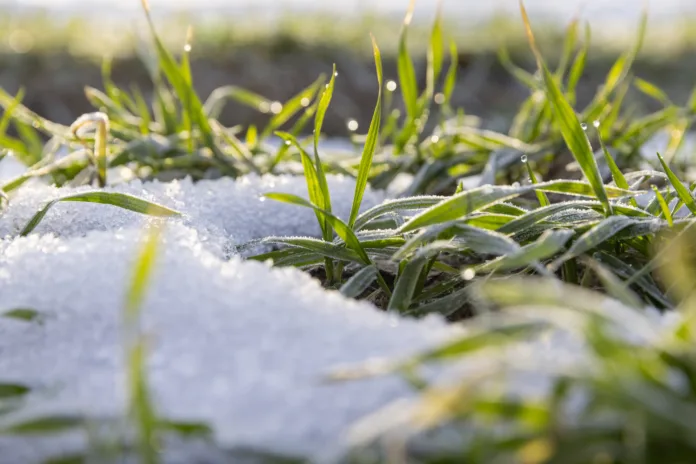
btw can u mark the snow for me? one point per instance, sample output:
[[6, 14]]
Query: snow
[[236, 344], [223, 212], [10, 167]]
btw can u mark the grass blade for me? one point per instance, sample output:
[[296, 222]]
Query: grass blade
[[21, 314], [216, 100], [391, 206], [183, 89], [42, 426], [597, 235], [293, 106], [140, 404], [541, 196], [323, 106], [370, 143], [616, 173], [578, 66], [405, 288], [451, 77], [473, 200], [462, 204], [406, 71], [444, 306], [652, 91], [663, 206], [327, 249], [682, 192], [548, 245], [340, 227], [569, 43], [435, 54], [316, 193], [614, 286], [490, 338], [359, 282], [568, 122], [120, 200]]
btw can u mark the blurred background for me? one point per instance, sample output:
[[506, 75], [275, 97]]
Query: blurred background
[[54, 48]]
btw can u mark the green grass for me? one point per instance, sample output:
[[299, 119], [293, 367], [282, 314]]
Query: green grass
[[553, 225]]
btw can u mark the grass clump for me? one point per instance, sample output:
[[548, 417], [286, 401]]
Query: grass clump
[[440, 235]]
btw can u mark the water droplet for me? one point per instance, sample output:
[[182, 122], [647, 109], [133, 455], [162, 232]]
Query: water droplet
[[391, 86], [262, 198], [305, 102], [352, 125], [287, 142], [439, 98], [434, 139], [327, 86], [584, 126], [187, 48], [336, 74], [515, 184], [596, 123], [264, 107], [276, 107], [523, 158], [469, 274], [35, 124]]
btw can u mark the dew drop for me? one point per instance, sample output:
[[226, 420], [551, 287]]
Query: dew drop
[[305, 102], [35, 124], [391, 86], [439, 98], [187, 48], [469, 274], [287, 142], [596, 123], [336, 74], [584, 126], [352, 125], [276, 107], [262, 199], [264, 107], [523, 158], [515, 184], [434, 139]]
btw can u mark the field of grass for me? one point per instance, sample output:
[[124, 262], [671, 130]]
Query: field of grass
[[568, 218], [53, 59]]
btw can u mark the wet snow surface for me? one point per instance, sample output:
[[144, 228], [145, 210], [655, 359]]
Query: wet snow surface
[[233, 343]]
